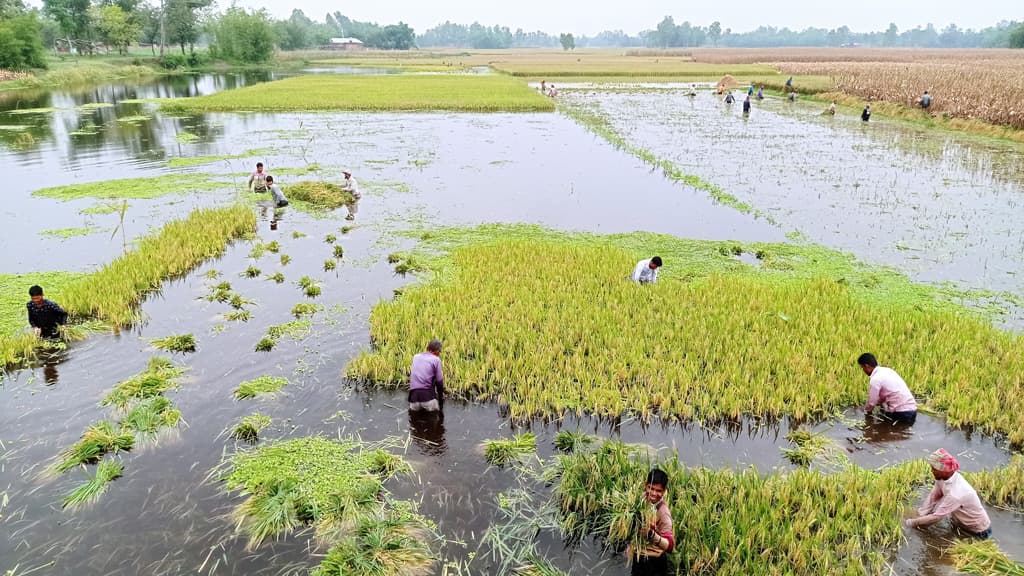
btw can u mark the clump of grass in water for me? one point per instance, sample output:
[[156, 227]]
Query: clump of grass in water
[[265, 344], [296, 234], [285, 259], [405, 262], [502, 452], [347, 229], [92, 489], [258, 248], [251, 272], [277, 277], [396, 545], [1002, 486], [213, 275], [295, 329], [98, 439], [238, 316], [220, 293], [274, 247], [259, 386], [330, 239], [304, 309], [983, 557], [809, 445], [158, 377], [176, 343], [238, 302], [309, 286], [571, 442], [330, 264], [320, 194], [249, 427], [149, 416], [339, 252]]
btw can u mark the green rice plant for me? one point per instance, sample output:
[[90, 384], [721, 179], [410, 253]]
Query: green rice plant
[[389, 92], [309, 286], [324, 195], [251, 272], [95, 486], [212, 274], [150, 415], [306, 282], [330, 264], [296, 234], [330, 239], [265, 344], [274, 247], [175, 343], [983, 557], [258, 248], [305, 309], [395, 257], [502, 452], [405, 262], [393, 546], [99, 438], [220, 293], [158, 377], [260, 386], [809, 446], [277, 277], [285, 259], [249, 427], [295, 330], [570, 442], [238, 316], [347, 229], [238, 302], [339, 252], [1003, 486]]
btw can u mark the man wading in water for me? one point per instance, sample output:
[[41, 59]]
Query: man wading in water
[[888, 391], [952, 496], [45, 316], [258, 179], [426, 380], [661, 540]]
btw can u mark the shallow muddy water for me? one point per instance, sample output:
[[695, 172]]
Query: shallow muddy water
[[165, 515]]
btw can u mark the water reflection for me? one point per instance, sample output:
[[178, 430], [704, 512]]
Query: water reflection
[[427, 431], [879, 430]]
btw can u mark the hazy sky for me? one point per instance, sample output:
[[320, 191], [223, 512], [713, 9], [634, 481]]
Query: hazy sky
[[591, 17]]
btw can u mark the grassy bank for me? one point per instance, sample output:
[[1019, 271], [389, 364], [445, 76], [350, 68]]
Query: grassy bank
[[547, 323], [82, 71], [482, 93]]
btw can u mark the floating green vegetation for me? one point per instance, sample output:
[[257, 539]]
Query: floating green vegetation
[[265, 344], [175, 343], [87, 129], [305, 309], [337, 488], [98, 439], [330, 264], [134, 119], [23, 141], [238, 302], [347, 229], [600, 125], [186, 138], [185, 162], [101, 208], [65, 233], [570, 442], [405, 262], [249, 427], [95, 486], [113, 292], [601, 344], [32, 110], [983, 557], [338, 251], [296, 329], [143, 188], [259, 386], [330, 238], [238, 316], [324, 195], [1003, 486], [94, 106], [809, 446], [14, 127], [158, 377], [273, 247], [309, 286], [806, 521], [296, 234], [150, 415], [220, 292], [285, 259], [502, 452], [212, 274], [251, 272], [397, 92], [258, 248], [276, 277]]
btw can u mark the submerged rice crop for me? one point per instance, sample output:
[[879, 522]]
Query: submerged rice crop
[[96, 485], [502, 452], [150, 415], [176, 343], [1003, 486], [319, 194], [158, 377], [249, 427], [277, 277], [548, 338], [983, 557], [810, 446], [330, 264], [99, 438], [238, 316], [259, 386], [305, 309]]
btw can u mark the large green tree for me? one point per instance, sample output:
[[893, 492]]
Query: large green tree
[[243, 36], [116, 27], [72, 16], [21, 45], [1017, 37], [182, 21]]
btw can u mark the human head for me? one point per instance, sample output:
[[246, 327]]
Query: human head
[[943, 464], [657, 483], [655, 263], [270, 179], [259, 166], [867, 362], [434, 347], [926, 92], [36, 292], [347, 175]]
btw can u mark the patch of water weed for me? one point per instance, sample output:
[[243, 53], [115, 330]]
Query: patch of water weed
[[134, 119], [185, 162], [238, 302], [265, 344], [330, 238], [260, 386], [65, 233], [273, 247], [238, 316], [95, 486], [258, 248], [186, 138], [309, 286], [142, 188], [33, 110], [159, 376], [277, 277], [306, 309], [285, 259], [176, 343], [249, 427], [251, 272], [296, 329], [101, 208], [405, 262], [1002, 487], [150, 415], [296, 234], [338, 252], [323, 195], [330, 264], [507, 451], [809, 446], [347, 229], [983, 557], [87, 129], [99, 439], [587, 345]]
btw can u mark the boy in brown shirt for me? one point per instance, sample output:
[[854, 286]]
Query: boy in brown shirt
[[653, 560]]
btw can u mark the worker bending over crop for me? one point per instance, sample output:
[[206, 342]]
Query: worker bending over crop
[[352, 187], [661, 540], [426, 380], [258, 179], [954, 497], [45, 316], [926, 100], [646, 271], [275, 191], [888, 391]]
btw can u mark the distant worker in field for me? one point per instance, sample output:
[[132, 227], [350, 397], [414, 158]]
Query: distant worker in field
[[926, 100], [275, 191], [660, 537], [45, 316], [746, 104], [952, 497], [866, 114], [352, 187], [646, 271], [543, 86], [426, 379], [258, 179], [888, 391], [760, 92], [552, 92], [789, 83], [729, 98], [832, 108], [693, 90], [750, 90]]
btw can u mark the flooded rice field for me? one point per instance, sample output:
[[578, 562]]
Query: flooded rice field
[[167, 516]]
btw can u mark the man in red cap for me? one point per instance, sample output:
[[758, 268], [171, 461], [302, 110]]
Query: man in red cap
[[952, 496]]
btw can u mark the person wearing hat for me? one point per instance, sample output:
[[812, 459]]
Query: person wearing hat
[[952, 496], [352, 187]]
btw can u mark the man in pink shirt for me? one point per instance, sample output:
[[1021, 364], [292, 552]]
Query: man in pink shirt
[[952, 496], [888, 391], [426, 381]]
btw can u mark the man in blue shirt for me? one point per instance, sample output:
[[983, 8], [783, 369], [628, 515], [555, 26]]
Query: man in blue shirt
[[45, 316]]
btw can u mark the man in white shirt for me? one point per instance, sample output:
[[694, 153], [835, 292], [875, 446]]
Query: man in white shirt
[[352, 187], [258, 179], [888, 391], [952, 497], [646, 271]]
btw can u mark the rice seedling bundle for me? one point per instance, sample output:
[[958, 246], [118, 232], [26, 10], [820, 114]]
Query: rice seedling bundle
[[339, 251], [238, 316], [502, 452], [740, 522], [95, 486], [319, 194], [330, 264], [277, 277], [158, 377], [114, 291], [258, 386], [285, 259], [150, 415], [569, 442], [305, 309], [251, 272], [393, 546], [249, 427], [983, 557], [1002, 486], [176, 343], [99, 438], [330, 238], [273, 247], [549, 323]]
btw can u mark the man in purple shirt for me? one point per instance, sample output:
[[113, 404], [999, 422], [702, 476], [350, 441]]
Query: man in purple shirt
[[426, 381]]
